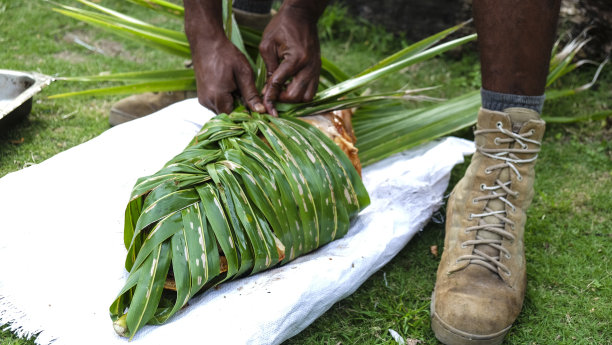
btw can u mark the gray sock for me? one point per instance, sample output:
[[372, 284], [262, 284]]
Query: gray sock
[[499, 101], [254, 6]]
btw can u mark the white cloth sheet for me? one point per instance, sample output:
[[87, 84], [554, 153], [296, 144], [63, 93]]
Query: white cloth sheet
[[61, 241]]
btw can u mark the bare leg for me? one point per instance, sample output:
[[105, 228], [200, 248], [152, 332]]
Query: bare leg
[[515, 38]]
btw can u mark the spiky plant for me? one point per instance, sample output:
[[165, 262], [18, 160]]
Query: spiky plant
[[252, 191]]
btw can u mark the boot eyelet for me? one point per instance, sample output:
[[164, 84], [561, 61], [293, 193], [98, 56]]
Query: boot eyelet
[[519, 177], [532, 131], [471, 216], [508, 256], [474, 201], [496, 141], [463, 245], [508, 273], [488, 171], [499, 125], [483, 186]]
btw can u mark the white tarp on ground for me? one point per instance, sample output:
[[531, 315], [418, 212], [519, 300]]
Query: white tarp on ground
[[61, 241]]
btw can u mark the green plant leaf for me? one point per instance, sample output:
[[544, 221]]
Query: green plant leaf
[[365, 79], [149, 288], [162, 6], [413, 49], [398, 128], [145, 76], [156, 86], [144, 35]]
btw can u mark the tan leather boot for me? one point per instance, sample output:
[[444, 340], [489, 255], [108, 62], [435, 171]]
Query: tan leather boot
[[481, 278], [140, 105]]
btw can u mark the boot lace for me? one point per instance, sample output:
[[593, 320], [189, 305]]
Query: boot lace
[[500, 190]]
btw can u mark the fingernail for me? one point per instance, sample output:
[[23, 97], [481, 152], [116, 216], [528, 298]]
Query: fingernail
[[259, 108]]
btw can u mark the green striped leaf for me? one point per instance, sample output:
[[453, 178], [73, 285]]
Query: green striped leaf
[[154, 86], [162, 201], [201, 245], [162, 231], [220, 225], [149, 288], [162, 6]]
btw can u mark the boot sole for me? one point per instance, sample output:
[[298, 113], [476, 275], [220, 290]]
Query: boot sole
[[452, 336]]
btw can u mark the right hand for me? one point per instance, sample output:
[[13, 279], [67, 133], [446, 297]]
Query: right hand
[[222, 72]]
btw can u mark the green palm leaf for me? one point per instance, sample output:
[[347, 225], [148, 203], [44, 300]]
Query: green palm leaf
[[143, 33], [160, 84], [162, 6], [147, 76]]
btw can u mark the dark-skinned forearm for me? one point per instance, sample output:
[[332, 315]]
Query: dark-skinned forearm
[[203, 21], [313, 9]]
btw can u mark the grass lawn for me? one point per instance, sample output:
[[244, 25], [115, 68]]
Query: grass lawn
[[568, 235]]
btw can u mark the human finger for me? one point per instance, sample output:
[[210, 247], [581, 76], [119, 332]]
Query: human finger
[[246, 84], [311, 90], [224, 103], [297, 88], [276, 83], [218, 102], [269, 55]]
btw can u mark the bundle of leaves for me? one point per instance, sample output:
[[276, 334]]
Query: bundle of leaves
[[251, 191]]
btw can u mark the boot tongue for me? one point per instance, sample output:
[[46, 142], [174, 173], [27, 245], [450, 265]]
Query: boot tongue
[[519, 116]]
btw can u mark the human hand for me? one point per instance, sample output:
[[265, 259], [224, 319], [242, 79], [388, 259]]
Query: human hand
[[222, 71], [290, 48]]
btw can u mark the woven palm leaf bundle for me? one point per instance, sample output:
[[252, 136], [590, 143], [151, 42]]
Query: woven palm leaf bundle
[[249, 192]]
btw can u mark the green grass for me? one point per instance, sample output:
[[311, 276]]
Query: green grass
[[35, 39], [568, 237], [568, 249]]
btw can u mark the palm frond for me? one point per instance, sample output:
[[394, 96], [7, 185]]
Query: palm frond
[[151, 76], [162, 39], [554, 94], [162, 6], [158, 85], [415, 48], [386, 129], [386, 69]]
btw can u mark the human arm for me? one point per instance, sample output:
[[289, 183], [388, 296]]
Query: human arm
[[290, 48], [221, 70]]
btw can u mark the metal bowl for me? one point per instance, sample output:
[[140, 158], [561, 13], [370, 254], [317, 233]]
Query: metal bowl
[[16, 92]]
